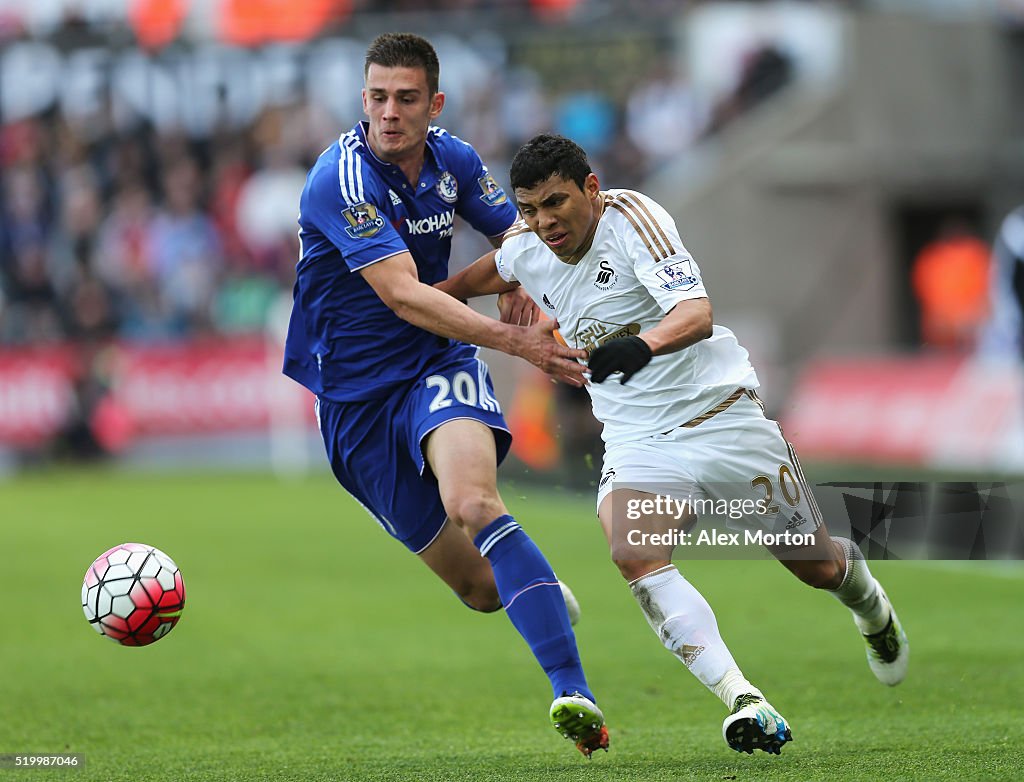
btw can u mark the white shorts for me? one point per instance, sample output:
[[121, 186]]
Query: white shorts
[[735, 466]]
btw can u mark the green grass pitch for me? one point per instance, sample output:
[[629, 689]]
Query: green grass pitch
[[313, 647]]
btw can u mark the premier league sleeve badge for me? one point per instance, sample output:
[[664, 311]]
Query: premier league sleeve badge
[[492, 192], [363, 220]]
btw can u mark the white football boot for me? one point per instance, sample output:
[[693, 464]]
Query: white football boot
[[755, 724], [578, 719], [888, 649]]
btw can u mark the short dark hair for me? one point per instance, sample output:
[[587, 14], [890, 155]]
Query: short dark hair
[[548, 154], [404, 50]]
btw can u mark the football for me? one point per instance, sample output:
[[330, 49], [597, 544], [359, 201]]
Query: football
[[133, 594]]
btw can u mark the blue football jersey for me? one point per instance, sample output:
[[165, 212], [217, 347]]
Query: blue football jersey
[[343, 342]]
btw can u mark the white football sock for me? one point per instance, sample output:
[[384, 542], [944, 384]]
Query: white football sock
[[860, 591], [732, 686], [685, 623]]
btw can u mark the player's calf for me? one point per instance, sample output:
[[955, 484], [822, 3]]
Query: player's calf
[[481, 598], [817, 573], [487, 601], [821, 565]]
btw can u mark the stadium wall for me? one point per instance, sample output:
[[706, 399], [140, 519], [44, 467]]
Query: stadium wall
[[792, 209]]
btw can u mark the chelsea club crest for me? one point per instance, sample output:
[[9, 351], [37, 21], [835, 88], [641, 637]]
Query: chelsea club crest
[[448, 187]]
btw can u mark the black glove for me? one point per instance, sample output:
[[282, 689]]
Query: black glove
[[627, 355]]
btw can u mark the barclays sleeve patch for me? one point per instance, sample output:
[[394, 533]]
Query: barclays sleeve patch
[[492, 192], [363, 220], [678, 276]]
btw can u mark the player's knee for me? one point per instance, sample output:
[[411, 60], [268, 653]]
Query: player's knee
[[474, 510], [632, 569], [820, 574]]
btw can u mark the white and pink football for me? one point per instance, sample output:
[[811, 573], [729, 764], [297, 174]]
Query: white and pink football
[[133, 594]]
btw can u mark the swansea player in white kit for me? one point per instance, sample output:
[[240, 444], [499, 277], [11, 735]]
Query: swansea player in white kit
[[680, 413]]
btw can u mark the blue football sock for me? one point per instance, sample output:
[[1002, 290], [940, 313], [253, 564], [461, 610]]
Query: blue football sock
[[533, 601]]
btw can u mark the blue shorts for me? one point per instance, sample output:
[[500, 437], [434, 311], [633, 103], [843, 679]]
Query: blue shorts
[[375, 446]]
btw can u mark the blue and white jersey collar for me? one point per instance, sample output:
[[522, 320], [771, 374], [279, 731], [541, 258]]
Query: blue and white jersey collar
[[431, 171]]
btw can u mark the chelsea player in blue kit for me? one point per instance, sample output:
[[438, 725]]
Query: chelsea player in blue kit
[[406, 408]]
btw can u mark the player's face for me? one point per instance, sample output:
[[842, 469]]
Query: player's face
[[561, 214], [401, 108]]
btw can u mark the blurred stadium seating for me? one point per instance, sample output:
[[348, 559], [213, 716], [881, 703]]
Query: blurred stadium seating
[[151, 154]]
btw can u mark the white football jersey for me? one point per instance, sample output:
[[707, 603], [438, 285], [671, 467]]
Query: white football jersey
[[634, 273]]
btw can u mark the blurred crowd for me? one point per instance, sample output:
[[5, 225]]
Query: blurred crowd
[[145, 236], [149, 234]]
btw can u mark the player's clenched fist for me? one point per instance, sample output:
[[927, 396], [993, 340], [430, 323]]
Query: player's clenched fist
[[627, 355]]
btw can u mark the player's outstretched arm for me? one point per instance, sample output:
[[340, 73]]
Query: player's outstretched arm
[[480, 278], [396, 282]]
